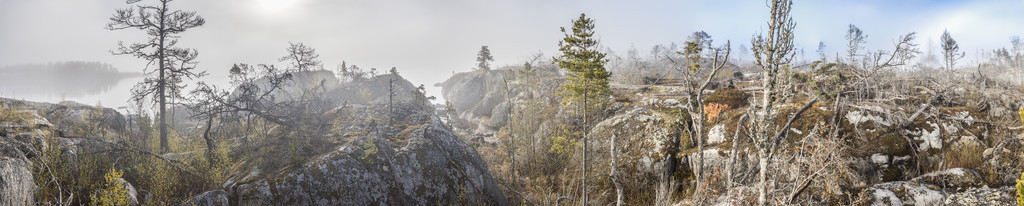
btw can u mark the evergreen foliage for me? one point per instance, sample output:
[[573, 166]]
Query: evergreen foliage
[[483, 59], [587, 76]]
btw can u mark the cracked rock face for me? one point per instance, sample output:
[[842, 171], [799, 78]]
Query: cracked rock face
[[435, 167], [17, 186]]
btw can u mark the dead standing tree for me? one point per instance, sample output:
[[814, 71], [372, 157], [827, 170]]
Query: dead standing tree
[[163, 27], [772, 53], [697, 82]]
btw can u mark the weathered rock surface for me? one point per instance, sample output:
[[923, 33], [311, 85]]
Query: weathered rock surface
[[955, 186], [424, 164], [983, 196], [211, 198], [482, 98], [477, 96], [435, 167], [17, 186], [129, 190]]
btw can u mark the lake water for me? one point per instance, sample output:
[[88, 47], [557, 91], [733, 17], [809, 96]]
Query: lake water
[[112, 94]]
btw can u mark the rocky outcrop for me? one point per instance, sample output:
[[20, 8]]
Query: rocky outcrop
[[434, 167], [982, 196], [67, 116], [17, 186], [477, 96], [416, 161], [955, 186], [210, 198], [482, 98]]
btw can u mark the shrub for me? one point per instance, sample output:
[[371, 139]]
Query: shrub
[[1020, 189], [1021, 113], [370, 150], [715, 109], [964, 156], [113, 192]]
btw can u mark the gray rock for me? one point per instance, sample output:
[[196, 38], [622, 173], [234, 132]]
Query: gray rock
[[957, 179], [955, 186], [983, 196], [130, 192], [903, 192], [210, 198], [17, 186], [434, 167]]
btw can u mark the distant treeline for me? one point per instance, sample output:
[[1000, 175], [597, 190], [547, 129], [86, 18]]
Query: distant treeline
[[68, 69]]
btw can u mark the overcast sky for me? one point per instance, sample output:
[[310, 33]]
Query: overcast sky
[[428, 40]]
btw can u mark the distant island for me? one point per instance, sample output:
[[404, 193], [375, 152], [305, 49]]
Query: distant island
[[71, 78]]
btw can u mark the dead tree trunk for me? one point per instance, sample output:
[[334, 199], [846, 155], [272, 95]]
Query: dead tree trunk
[[616, 180]]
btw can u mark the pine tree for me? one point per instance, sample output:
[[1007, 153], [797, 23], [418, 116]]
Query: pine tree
[[950, 51], [483, 59], [163, 27], [587, 79]]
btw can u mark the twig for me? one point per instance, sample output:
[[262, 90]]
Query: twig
[[803, 186]]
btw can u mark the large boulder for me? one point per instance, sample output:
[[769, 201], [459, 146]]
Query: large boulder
[[129, 191], [478, 97], [17, 186], [210, 198], [434, 167], [482, 98]]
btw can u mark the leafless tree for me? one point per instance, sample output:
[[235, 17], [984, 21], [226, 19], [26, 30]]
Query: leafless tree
[[772, 53], [854, 37], [259, 93], [174, 64], [697, 81], [1018, 47]]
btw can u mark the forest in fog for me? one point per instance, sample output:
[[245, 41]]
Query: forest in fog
[[700, 120]]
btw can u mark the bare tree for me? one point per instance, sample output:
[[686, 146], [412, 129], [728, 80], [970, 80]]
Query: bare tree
[[950, 51], [163, 27], [772, 53], [1018, 47], [697, 81], [616, 178], [301, 57], [854, 37]]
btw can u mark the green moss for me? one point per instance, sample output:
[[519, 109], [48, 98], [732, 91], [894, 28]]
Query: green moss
[[733, 97], [893, 145]]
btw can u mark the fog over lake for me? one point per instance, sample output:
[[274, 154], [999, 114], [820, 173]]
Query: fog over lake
[[83, 82]]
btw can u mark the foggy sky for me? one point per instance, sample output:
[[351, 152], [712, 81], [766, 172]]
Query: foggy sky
[[428, 40]]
